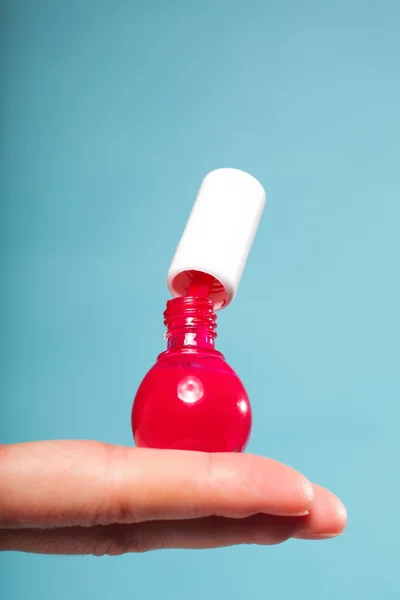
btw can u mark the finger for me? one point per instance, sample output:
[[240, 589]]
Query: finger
[[211, 532], [54, 484], [327, 519]]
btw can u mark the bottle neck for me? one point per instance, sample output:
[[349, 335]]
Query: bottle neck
[[191, 324]]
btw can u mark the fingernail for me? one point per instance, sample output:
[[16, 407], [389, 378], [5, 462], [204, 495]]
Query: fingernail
[[317, 536]]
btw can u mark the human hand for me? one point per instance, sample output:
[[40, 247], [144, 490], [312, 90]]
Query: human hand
[[76, 497]]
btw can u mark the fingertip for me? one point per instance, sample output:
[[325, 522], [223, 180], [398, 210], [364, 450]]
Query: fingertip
[[318, 537], [330, 512], [327, 518], [280, 490]]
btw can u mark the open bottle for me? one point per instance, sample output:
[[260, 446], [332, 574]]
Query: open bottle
[[191, 399]]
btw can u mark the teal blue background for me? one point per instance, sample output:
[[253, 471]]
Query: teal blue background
[[111, 113]]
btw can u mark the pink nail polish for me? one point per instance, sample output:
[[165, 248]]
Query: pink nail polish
[[191, 399]]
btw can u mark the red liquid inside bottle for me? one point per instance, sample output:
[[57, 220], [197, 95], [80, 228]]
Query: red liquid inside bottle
[[191, 399]]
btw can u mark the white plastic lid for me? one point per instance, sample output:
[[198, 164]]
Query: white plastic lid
[[219, 234]]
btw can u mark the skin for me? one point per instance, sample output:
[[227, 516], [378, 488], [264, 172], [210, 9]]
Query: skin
[[73, 497]]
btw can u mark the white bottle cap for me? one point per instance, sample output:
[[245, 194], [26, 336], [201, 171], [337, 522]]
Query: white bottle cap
[[219, 234]]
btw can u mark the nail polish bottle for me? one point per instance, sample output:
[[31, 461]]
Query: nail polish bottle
[[191, 399]]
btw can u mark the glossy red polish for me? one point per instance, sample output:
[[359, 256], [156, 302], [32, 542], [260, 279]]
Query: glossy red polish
[[191, 399]]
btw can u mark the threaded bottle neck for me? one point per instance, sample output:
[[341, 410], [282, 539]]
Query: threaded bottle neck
[[191, 324]]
